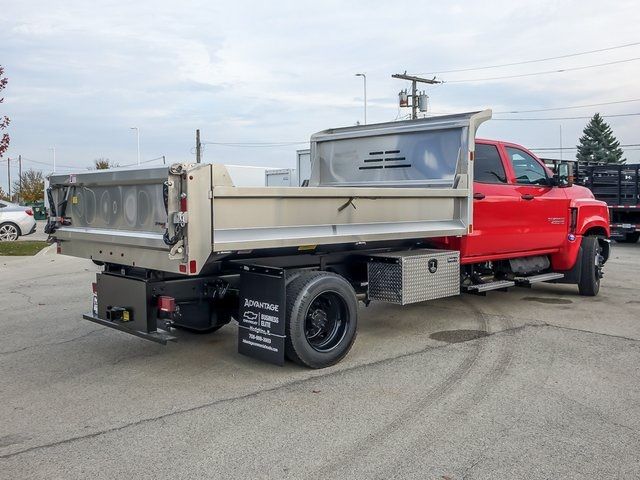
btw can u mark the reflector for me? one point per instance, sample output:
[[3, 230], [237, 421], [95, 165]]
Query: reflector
[[166, 304]]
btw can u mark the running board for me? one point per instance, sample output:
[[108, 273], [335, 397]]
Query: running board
[[543, 277], [482, 288]]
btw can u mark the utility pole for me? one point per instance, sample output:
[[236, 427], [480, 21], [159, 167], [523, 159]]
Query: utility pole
[[561, 142], [164, 162], [414, 91], [9, 177], [20, 177], [198, 147]]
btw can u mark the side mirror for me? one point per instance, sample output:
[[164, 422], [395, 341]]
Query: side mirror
[[563, 176]]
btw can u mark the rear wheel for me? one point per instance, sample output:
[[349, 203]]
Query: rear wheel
[[630, 238], [591, 267], [9, 232], [322, 312]]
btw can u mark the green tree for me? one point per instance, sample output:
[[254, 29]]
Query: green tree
[[598, 144], [104, 164], [30, 186]]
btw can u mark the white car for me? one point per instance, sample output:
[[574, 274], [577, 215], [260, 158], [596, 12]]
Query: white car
[[15, 221]]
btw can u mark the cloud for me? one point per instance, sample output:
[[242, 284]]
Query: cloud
[[82, 73]]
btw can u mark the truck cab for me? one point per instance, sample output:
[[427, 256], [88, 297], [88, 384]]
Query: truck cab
[[522, 210]]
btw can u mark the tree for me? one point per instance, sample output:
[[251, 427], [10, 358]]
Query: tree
[[30, 185], [598, 144], [4, 120], [3, 195], [104, 164]]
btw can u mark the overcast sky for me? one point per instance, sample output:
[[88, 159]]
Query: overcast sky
[[82, 73]]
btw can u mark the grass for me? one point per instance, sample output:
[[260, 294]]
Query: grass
[[26, 248]]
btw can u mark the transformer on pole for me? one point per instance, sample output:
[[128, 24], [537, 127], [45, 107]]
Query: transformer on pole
[[419, 101]]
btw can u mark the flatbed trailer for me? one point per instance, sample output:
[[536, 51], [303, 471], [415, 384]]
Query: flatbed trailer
[[619, 187], [182, 247]]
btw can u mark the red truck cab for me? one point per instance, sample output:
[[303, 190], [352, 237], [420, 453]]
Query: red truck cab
[[527, 219]]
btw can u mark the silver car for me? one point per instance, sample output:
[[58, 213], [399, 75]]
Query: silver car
[[15, 221]]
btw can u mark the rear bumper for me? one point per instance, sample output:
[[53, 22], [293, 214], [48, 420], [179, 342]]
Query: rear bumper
[[27, 226], [619, 230], [159, 336]]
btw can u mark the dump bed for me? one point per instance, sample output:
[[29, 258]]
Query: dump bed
[[383, 182]]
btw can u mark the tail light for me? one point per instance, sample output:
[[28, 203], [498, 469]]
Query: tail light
[[29, 212], [166, 304], [94, 287]]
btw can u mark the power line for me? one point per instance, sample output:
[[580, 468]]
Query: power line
[[575, 148], [562, 70], [161, 157], [48, 164], [508, 112], [532, 61], [564, 118], [255, 144], [571, 107]]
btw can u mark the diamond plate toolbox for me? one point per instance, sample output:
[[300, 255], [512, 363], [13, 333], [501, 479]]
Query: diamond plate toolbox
[[414, 275]]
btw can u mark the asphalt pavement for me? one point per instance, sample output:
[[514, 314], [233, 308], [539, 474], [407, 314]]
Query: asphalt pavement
[[535, 383]]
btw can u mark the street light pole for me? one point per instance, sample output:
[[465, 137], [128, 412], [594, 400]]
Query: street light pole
[[364, 78], [138, 141], [53, 149]]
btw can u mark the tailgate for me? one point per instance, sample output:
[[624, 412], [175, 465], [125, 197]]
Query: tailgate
[[154, 218]]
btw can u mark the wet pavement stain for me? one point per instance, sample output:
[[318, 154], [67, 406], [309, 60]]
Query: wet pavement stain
[[549, 300], [457, 336]]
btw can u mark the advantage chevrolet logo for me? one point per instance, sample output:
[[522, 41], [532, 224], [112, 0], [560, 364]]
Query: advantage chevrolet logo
[[556, 220]]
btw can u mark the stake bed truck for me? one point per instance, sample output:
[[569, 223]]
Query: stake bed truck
[[399, 212]]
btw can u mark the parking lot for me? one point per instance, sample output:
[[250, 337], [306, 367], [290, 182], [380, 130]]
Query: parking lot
[[533, 383]]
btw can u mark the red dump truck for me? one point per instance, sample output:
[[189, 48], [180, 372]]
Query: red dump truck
[[399, 212]]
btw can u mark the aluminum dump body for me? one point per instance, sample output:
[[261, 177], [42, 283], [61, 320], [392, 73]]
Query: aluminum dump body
[[383, 182]]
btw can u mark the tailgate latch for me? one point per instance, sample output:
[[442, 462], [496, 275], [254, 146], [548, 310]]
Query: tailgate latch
[[181, 218]]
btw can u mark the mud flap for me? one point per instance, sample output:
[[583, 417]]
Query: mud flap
[[262, 313]]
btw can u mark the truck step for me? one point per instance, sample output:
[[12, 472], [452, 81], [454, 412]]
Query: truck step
[[481, 288], [543, 277]]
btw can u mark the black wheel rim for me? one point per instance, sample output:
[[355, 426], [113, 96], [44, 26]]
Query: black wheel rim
[[326, 321]]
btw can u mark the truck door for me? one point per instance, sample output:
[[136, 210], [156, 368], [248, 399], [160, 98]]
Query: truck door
[[544, 209], [495, 206]]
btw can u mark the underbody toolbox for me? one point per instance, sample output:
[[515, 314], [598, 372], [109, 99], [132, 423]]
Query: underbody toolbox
[[414, 276]]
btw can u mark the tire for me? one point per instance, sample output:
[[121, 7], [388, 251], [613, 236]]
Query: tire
[[630, 238], [591, 267], [322, 319], [9, 232]]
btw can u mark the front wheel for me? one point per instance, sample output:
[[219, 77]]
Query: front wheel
[[322, 313], [591, 267]]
